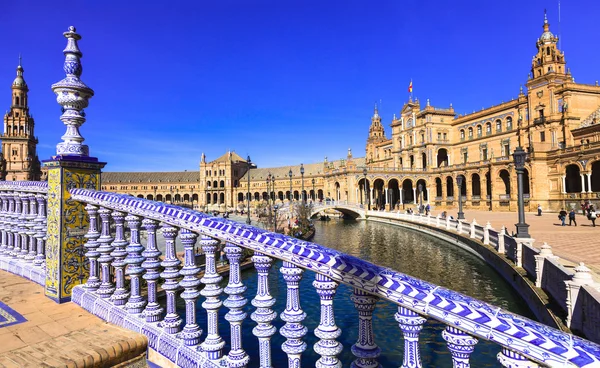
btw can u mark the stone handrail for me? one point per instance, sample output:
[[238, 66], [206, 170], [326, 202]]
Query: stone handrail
[[521, 339], [23, 226]]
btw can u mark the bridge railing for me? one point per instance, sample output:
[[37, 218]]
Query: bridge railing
[[115, 259], [23, 228]]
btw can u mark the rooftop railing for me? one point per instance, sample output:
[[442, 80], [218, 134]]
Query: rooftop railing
[[113, 258]]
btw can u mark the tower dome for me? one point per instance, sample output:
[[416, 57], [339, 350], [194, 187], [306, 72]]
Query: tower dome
[[547, 36], [19, 81]]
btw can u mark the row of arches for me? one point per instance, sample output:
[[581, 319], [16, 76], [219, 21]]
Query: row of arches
[[469, 132], [576, 182], [280, 195], [171, 198], [215, 184]]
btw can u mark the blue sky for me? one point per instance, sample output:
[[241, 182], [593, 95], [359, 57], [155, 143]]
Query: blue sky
[[283, 81]]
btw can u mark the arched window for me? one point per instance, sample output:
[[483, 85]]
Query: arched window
[[508, 123], [470, 133], [498, 126], [462, 134], [479, 130], [488, 128], [17, 100], [222, 184]]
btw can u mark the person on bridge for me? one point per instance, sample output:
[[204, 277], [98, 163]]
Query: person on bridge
[[572, 217]]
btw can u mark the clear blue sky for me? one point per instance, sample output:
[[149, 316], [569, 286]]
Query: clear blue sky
[[284, 81]]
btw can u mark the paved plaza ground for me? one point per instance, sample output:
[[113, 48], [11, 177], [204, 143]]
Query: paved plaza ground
[[573, 244], [59, 335]]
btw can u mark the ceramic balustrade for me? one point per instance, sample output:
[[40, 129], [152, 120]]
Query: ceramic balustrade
[[524, 343], [23, 228]]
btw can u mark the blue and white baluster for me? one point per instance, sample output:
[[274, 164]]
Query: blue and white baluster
[[237, 356], [190, 283], [136, 302], [263, 315], [23, 225], [214, 343], [121, 294], [293, 330], [461, 346], [8, 225], [510, 359], [172, 322], [91, 245], [411, 324], [151, 264], [3, 218], [15, 226], [31, 231], [327, 331], [365, 350], [40, 232], [106, 286]]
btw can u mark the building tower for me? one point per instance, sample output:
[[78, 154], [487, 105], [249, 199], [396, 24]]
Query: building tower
[[548, 58], [19, 157], [376, 135]]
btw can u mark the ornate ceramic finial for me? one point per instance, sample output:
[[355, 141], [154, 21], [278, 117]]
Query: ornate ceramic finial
[[428, 102], [325, 158], [396, 118], [349, 152], [73, 95], [521, 90]]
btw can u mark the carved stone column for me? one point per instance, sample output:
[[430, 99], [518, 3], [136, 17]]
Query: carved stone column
[[190, 283], [293, 315], [365, 350], [327, 331], [121, 294], [151, 264], [40, 228], [411, 324], [172, 322], [263, 315], [91, 245], [461, 346], [237, 357], [136, 302], [106, 286], [213, 344]]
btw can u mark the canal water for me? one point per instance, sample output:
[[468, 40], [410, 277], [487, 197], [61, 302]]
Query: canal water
[[403, 250]]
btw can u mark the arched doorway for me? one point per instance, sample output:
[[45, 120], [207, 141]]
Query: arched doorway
[[442, 157], [438, 188], [408, 195], [149, 196], [596, 176], [280, 195], [393, 193], [422, 196], [505, 177], [221, 198], [296, 195], [320, 194], [338, 195], [378, 195], [240, 197], [159, 197], [573, 179], [476, 186], [265, 196], [208, 196], [449, 188], [463, 187], [168, 197], [362, 187], [186, 197], [256, 196]]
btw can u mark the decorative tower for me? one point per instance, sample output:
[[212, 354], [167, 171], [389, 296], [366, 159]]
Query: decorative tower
[[376, 135], [70, 168], [19, 160], [548, 58]]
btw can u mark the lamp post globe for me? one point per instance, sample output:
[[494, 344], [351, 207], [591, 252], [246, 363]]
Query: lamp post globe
[[290, 175], [459, 181], [302, 175], [248, 221], [522, 227]]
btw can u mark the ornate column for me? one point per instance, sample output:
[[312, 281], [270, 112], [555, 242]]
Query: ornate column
[[134, 259], [213, 344], [411, 324], [237, 357], [327, 331], [510, 359], [106, 286], [589, 181], [190, 282], [23, 225], [91, 245], [121, 294], [365, 350], [151, 264], [501, 234], [29, 257], [263, 315], [72, 167], [13, 238], [564, 184], [293, 330], [582, 182], [3, 222], [172, 322], [41, 227], [460, 344]]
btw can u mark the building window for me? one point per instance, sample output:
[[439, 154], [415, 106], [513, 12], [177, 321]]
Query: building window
[[508, 123], [488, 128], [498, 126], [479, 130], [14, 151], [445, 136], [465, 157], [462, 134], [484, 154], [439, 136], [470, 133], [542, 136], [505, 149]]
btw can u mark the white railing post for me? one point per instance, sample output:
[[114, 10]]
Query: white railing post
[[459, 226], [365, 350], [437, 220], [106, 286], [214, 343], [191, 331], [30, 231], [501, 234], [91, 245], [151, 264], [40, 233], [473, 224], [461, 346], [327, 331], [134, 270], [486, 233], [545, 253], [448, 227], [293, 315], [411, 324], [22, 229], [171, 322], [121, 294], [581, 277]]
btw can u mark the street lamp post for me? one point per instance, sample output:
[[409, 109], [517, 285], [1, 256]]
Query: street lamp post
[[365, 185], [314, 193], [248, 221], [290, 175], [522, 228], [269, 198], [302, 175], [459, 181], [420, 190]]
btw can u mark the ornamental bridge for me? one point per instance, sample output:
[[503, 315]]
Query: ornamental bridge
[[83, 245]]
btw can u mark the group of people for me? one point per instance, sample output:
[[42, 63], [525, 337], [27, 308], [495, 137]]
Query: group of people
[[586, 208]]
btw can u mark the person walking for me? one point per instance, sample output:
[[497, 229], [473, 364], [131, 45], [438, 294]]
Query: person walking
[[562, 215], [592, 216], [539, 209], [572, 217]]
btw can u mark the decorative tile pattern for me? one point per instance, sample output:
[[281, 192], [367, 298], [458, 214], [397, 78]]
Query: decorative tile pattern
[[526, 337], [9, 317]]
